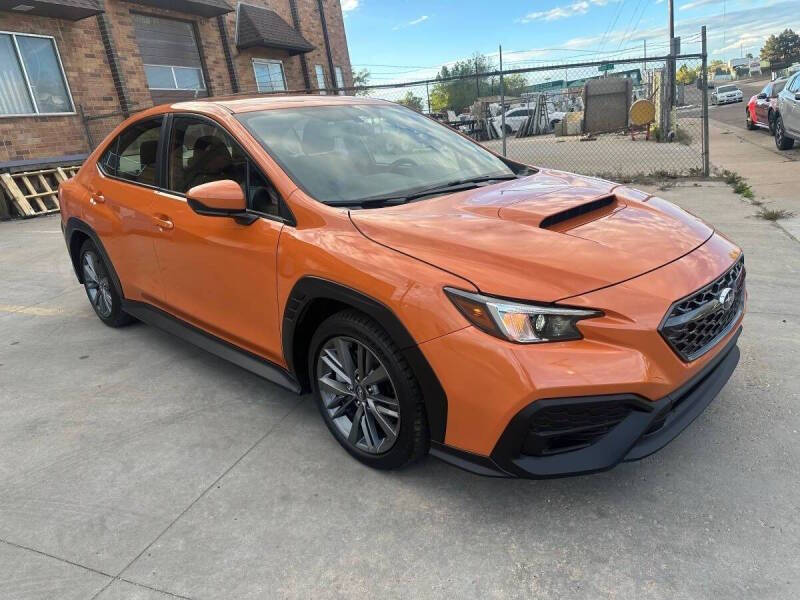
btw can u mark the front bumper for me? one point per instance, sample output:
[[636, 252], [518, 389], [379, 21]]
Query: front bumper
[[647, 427]]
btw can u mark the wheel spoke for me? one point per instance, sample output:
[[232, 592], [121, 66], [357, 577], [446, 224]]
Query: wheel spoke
[[356, 426], [370, 433], [387, 411], [360, 356], [88, 266], [384, 400], [333, 363], [335, 387], [343, 406], [345, 359], [382, 423], [376, 376]]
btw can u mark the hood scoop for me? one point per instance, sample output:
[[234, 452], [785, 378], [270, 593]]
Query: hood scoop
[[558, 213], [580, 214]]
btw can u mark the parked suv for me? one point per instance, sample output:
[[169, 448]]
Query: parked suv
[[787, 119], [430, 294]]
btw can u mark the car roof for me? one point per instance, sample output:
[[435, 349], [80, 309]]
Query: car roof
[[242, 104]]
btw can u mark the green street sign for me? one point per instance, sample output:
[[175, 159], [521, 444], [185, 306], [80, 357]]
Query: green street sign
[[606, 67]]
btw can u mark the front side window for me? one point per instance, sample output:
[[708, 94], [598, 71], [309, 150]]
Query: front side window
[[133, 155], [269, 75], [320, 78], [777, 88], [32, 79], [794, 86], [344, 154], [201, 152], [166, 77]]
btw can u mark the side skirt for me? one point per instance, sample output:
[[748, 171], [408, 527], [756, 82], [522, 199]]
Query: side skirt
[[210, 343]]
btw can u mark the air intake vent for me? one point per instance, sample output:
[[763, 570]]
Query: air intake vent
[[577, 211]]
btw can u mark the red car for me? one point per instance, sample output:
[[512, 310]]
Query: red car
[[761, 107]]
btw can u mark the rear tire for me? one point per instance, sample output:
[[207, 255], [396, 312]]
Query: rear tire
[[100, 290], [771, 121], [359, 377], [782, 141]]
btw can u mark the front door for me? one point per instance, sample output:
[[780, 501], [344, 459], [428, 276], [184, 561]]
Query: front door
[[219, 275], [122, 200], [762, 105]]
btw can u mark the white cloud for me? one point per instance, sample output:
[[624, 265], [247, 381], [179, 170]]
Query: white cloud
[[416, 21], [579, 7], [348, 5]]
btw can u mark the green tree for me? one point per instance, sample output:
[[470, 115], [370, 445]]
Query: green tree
[[686, 76], [411, 101], [782, 49], [514, 84], [360, 81], [460, 93]]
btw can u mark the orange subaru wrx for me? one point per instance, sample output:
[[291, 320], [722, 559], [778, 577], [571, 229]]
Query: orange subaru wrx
[[432, 295]]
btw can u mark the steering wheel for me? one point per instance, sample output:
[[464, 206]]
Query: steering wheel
[[402, 162]]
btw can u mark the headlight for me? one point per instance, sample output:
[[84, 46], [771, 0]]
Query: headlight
[[518, 322]]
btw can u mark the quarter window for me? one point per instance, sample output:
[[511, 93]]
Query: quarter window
[[32, 78], [133, 154], [320, 78], [269, 75]]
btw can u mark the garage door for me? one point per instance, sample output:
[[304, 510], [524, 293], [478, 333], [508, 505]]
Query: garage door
[[171, 59]]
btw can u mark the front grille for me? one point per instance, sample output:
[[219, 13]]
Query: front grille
[[693, 325], [557, 429]]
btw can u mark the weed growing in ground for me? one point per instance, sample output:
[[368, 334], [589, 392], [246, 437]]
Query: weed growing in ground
[[773, 214]]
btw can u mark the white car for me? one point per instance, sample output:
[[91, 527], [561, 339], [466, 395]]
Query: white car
[[725, 94], [516, 116]]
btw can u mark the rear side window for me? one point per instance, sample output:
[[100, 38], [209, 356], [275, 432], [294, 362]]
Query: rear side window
[[794, 86], [133, 155]]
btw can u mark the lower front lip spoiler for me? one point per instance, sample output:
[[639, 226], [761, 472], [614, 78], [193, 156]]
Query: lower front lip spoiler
[[644, 431]]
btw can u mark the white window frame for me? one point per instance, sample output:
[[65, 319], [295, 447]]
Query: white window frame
[[270, 61], [175, 79], [338, 73], [320, 70], [14, 35]]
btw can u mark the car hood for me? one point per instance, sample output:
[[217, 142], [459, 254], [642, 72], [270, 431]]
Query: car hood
[[545, 237]]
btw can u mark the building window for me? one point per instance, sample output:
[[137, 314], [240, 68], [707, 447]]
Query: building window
[[32, 80], [167, 77], [339, 80], [269, 75], [320, 79]]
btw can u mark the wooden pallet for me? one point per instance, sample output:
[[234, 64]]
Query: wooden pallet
[[35, 193]]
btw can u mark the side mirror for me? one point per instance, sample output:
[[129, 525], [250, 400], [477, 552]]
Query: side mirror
[[762, 96], [222, 198], [797, 95]]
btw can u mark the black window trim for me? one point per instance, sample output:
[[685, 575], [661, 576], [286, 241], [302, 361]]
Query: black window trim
[[161, 164]]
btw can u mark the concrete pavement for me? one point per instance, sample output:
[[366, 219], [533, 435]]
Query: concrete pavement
[[133, 465]]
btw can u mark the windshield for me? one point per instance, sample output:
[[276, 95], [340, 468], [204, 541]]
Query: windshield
[[344, 154], [727, 88]]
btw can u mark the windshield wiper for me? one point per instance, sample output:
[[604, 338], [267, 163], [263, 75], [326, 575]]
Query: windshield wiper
[[441, 188]]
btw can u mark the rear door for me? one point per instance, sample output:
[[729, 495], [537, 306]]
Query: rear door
[[122, 198], [791, 108], [762, 105], [219, 275]]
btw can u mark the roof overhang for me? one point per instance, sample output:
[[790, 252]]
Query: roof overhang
[[70, 10], [258, 27], [203, 8]]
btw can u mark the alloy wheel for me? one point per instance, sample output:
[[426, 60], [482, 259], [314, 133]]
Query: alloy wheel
[[358, 394], [97, 284]]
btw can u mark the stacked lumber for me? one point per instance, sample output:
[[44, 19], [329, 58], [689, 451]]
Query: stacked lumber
[[35, 193]]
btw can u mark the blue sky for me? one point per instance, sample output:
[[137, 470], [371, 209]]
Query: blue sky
[[411, 39]]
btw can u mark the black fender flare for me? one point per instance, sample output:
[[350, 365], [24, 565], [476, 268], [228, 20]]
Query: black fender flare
[[74, 225], [308, 289]]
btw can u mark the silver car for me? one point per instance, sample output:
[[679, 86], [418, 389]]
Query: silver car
[[787, 120], [725, 94]]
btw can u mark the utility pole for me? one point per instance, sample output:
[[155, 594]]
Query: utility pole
[[704, 82], [669, 84], [502, 102], [477, 81]]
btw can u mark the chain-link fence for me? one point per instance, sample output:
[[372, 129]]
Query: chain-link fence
[[616, 118]]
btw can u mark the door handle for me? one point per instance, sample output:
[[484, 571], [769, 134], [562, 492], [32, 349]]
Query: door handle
[[97, 198], [164, 222]]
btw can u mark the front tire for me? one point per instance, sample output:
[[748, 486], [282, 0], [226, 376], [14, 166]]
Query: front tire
[[782, 141], [749, 121], [100, 290], [367, 393]]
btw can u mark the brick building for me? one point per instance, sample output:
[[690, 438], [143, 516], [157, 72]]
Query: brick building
[[71, 70]]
